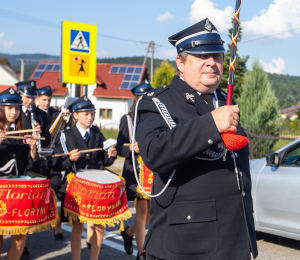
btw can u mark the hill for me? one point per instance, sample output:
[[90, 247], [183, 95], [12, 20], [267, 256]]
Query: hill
[[286, 87]]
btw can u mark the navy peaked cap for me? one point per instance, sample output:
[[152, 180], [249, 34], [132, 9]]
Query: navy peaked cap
[[81, 104], [202, 37], [27, 88], [10, 97], [142, 88], [45, 91]]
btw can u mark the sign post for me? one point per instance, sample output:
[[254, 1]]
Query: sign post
[[78, 53]]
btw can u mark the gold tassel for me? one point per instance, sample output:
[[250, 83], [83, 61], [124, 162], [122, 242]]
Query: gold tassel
[[122, 226], [70, 176], [134, 202]]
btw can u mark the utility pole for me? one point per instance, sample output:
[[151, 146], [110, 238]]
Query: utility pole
[[22, 68], [150, 46]]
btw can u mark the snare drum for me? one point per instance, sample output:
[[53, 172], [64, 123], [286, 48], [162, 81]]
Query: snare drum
[[96, 196], [27, 205]]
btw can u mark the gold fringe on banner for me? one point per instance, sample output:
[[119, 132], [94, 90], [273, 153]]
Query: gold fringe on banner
[[110, 222], [23, 230], [139, 192]]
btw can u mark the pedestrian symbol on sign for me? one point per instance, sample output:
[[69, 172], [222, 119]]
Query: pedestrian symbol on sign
[[80, 41]]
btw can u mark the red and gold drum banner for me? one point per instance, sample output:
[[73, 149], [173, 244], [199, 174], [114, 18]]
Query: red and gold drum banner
[[102, 204], [26, 207], [145, 179]]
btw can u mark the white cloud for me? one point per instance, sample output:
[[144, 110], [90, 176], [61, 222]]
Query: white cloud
[[281, 15], [4, 44], [202, 9], [102, 53], [164, 17], [171, 53], [276, 66]]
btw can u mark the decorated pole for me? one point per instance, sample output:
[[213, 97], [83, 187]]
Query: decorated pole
[[231, 140], [233, 50]]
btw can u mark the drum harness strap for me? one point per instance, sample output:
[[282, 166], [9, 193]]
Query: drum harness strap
[[7, 168], [171, 124], [64, 147]]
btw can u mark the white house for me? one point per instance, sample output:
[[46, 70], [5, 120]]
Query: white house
[[110, 94], [8, 78]]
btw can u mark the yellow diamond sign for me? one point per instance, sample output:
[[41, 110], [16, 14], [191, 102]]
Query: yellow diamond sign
[[78, 53]]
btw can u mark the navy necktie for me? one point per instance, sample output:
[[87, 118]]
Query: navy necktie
[[209, 100], [86, 137]]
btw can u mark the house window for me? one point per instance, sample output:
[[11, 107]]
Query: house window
[[105, 113], [81, 90]]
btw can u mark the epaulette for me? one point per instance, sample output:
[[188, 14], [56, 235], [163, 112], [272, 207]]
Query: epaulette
[[157, 91]]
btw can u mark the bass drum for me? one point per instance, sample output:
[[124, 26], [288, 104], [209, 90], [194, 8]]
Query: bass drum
[[31, 176]]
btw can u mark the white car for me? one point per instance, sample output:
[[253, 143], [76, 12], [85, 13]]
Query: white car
[[276, 191]]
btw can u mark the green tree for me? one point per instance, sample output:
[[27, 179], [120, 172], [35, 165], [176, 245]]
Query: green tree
[[163, 74], [259, 109], [240, 67], [4, 61]]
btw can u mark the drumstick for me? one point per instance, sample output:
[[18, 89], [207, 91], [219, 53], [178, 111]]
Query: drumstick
[[23, 138], [127, 144], [82, 151], [20, 131]]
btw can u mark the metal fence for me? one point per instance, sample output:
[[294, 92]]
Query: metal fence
[[263, 142]]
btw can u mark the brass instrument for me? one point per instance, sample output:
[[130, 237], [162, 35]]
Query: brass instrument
[[33, 122]]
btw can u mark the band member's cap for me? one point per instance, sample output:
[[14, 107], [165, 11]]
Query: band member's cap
[[10, 97], [200, 38], [81, 104], [27, 88], [142, 88], [47, 91]]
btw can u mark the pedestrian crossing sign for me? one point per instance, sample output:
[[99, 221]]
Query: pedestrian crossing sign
[[78, 53]]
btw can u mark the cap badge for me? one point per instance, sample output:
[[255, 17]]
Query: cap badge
[[146, 81], [4, 100], [141, 89], [11, 91], [85, 98], [32, 83], [207, 25], [190, 96], [150, 94]]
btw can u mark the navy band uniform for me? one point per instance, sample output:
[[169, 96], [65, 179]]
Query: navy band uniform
[[202, 214]]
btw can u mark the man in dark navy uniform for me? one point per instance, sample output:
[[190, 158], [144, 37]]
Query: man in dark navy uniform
[[206, 211], [28, 92], [44, 100]]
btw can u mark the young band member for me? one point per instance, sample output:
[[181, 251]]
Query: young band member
[[142, 216], [24, 151], [28, 92], [82, 136], [44, 100]]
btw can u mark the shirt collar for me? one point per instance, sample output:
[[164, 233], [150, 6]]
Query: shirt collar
[[46, 111], [82, 131], [215, 98], [13, 125], [24, 109]]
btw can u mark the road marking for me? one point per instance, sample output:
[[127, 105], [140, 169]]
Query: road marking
[[106, 242]]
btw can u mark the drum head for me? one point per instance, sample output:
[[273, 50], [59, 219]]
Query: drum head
[[20, 178], [100, 176]]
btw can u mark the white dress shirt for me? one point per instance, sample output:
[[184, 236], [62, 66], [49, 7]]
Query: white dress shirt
[[82, 131]]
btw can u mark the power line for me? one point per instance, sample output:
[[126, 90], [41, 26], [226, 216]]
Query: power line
[[268, 36], [28, 19]]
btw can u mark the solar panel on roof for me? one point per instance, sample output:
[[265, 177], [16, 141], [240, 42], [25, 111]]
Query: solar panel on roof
[[37, 74], [133, 84], [124, 85], [41, 66], [49, 67], [114, 69], [130, 69], [138, 70], [56, 68], [122, 69]]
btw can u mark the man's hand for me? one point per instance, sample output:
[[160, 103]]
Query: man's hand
[[226, 118], [112, 152], [75, 155], [136, 148]]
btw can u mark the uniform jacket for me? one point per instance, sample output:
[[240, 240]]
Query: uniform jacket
[[74, 140], [41, 118], [13, 148], [123, 137], [51, 116], [202, 214]]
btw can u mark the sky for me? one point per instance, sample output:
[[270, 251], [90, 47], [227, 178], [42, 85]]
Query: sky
[[271, 28]]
